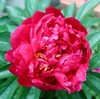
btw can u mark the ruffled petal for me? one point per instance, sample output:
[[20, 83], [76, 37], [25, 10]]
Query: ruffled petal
[[27, 21], [24, 81], [13, 70], [44, 86], [21, 34], [9, 56], [37, 16], [53, 10], [76, 24]]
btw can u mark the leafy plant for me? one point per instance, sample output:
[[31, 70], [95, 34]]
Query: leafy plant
[[10, 89]]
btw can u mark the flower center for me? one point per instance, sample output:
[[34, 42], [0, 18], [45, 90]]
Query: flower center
[[58, 55], [38, 55], [45, 68]]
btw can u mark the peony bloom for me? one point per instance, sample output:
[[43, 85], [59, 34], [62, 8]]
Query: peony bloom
[[50, 52]]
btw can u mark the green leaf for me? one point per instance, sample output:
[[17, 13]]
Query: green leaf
[[31, 6], [75, 95], [79, 95], [86, 8], [5, 20], [98, 97], [16, 14], [43, 4], [22, 93], [82, 95], [5, 74], [34, 5], [90, 21], [95, 74], [2, 58], [10, 27], [2, 5], [3, 28], [63, 95], [4, 41], [93, 82], [8, 88], [4, 86], [7, 28], [97, 48], [4, 67], [34, 93], [2, 81], [70, 10], [95, 61], [48, 95], [94, 39], [86, 90], [27, 93]]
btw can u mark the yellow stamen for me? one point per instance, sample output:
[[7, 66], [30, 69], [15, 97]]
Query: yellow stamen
[[41, 68], [46, 68], [58, 55], [38, 55]]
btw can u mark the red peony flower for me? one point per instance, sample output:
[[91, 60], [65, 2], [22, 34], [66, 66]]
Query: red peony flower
[[50, 52]]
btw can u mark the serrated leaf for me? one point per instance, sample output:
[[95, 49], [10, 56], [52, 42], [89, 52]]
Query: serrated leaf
[[93, 82], [16, 14], [2, 5], [34, 93], [94, 39], [95, 61], [4, 41], [86, 8], [90, 21], [8, 88], [5, 74], [70, 10]]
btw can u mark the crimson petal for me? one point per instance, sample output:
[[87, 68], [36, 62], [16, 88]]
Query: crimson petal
[[54, 10], [76, 24], [37, 16], [24, 81]]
